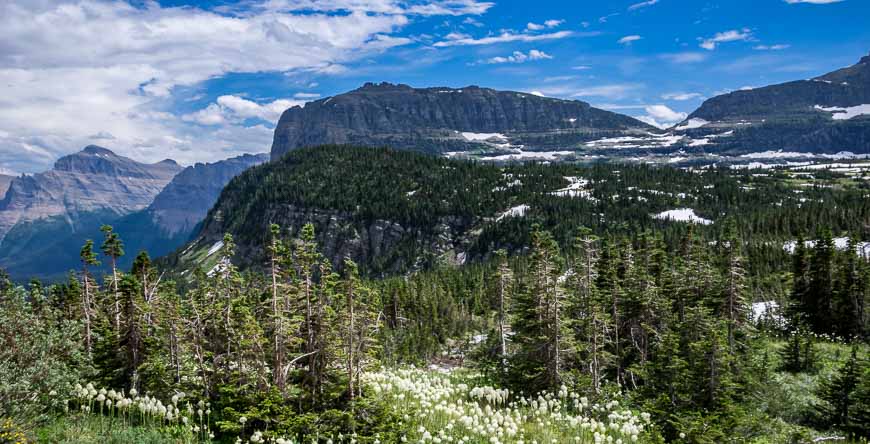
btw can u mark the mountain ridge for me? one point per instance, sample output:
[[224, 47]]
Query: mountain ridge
[[442, 119]]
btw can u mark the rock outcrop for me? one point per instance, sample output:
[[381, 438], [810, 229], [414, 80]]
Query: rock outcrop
[[434, 120]]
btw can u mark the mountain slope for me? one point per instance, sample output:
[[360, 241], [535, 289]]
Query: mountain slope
[[5, 181], [826, 114], [444, 119], [48, 247], [92, 180], [395, 211]]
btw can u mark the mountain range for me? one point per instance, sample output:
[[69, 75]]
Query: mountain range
[[441, 120], [158, 207], [45, 218], [828, 114]]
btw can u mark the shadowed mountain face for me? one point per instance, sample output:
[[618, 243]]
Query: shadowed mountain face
[[92, 180], [186, 200], [826, 114], [5, 181], [48, 247], [434, 120]]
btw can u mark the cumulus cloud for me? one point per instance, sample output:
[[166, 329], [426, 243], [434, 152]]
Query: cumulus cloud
[[229, 108], [547, 24], [75, 68], [733, 35], [519, 57], [662, 116]]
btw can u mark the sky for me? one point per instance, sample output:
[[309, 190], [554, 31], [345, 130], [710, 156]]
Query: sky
[[204, 80]]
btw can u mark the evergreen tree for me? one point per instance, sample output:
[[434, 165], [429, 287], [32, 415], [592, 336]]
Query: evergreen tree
[[113, 248], [89, 259], [840, 393]]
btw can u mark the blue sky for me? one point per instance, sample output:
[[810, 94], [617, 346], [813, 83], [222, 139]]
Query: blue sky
[[205, 80]]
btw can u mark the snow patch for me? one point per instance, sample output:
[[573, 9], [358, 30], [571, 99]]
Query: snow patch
[[575, 188], [517, 211], [215, 248], [484, 137], [841, 243], [682, 215], [691, 124], [845, 113]]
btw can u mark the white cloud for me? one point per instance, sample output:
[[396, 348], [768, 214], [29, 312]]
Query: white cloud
[[615, 91], [503, 38], [662, 116], [642, 4], [518, 57], [771, 47], [627, 40], [733, 35], [437, 7], [547, 24], [75, 68], [681, 96], [308, 96], [685, 57], [229, 108]]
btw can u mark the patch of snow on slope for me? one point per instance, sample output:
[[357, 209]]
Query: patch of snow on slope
[[779, 154], [699, 142], [575, 188], [845, 113], [215, 248], [483, 137], [517, 211], [769, 309], [528, 155], [682, 215], [692, 124], [840, 243]]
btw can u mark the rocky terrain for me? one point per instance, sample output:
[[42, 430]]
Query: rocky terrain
[[92, 180], [441, 120], [824, 115], [5, 181], [45, 240], [186, 200]]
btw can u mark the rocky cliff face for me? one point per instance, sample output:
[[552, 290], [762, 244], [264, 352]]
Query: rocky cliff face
[[47, 247], [186, 200], [5, 181], [92, 180], [434, 120], [826, 114]]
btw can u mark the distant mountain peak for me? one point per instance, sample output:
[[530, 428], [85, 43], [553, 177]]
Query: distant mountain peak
[[865, 60], [96, 149], [442, 119]]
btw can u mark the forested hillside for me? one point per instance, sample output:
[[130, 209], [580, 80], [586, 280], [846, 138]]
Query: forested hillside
[[569, 303], [395, 211]]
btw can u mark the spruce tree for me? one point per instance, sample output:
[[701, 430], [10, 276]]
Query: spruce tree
[[113, 248], [89, 259]]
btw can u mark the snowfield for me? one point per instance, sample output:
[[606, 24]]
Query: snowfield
[[682, 215], [845, 113], [517, 211], [691, 124], [840, 243]]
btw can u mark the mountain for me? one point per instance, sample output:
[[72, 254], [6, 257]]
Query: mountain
[[185, 202], [92, 180], [440, 120], [5, 181], [395, 211], [165, 224], [825, 114]]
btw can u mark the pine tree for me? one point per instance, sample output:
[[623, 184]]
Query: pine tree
[[839, 394], [89, 259], [503, 286], [800, 281], [819, 294], [113, 248]]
